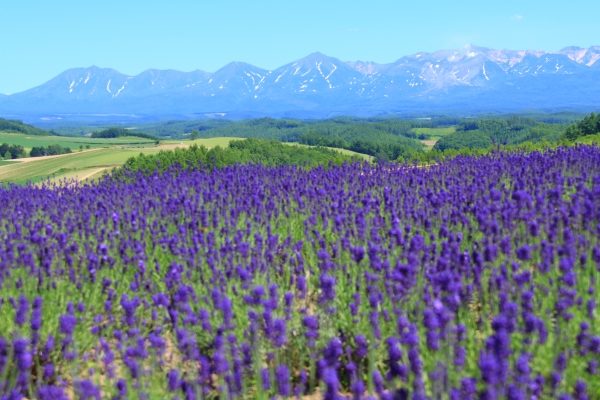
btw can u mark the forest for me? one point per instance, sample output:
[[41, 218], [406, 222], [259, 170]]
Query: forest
[[250, 151], [115, 132]]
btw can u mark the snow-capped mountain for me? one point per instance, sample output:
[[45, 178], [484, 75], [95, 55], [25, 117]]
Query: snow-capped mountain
[[580, 55], [471, 79]]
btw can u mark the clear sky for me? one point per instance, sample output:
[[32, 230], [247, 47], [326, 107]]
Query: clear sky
[[41, 38]]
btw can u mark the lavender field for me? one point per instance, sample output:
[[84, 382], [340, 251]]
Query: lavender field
[[475, 278]]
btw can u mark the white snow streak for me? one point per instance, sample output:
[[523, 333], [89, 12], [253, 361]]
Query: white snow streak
[[323, 75], [280, 76], [331, 72], [120, 89], [485, 75], [251, 76], [259, 83], [108, 86]]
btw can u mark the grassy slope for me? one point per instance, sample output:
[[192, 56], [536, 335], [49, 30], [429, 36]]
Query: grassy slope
[[589, 139], [342, 151]]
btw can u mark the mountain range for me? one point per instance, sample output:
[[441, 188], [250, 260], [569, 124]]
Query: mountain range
[[467, 80]]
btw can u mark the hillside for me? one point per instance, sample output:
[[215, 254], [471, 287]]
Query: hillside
[[14, 126]]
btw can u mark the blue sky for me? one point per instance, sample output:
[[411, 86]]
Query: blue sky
[[41, 38]]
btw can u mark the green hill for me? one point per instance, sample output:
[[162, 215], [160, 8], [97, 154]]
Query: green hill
[[9, 125]]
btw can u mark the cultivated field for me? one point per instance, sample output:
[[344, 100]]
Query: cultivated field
[[475, 278], [105, 155], [72, 142]]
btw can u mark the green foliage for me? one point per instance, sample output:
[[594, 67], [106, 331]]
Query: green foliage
[[15, 126], [289, 130], [496, 132], [590, 125], [469, 139], [9, 152], [51, 150], [119, 132], [383, 145], [249, 151], [437, 155]]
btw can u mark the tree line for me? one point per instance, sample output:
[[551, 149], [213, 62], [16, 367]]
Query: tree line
[[590, 125], [111, 133], [50, 150], [11, 151]]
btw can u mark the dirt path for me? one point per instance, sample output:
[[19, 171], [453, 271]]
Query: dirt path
[[90, 173]]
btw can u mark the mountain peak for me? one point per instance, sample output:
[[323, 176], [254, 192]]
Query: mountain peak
[[472, 76], [92, 68], [316, 57], [234, 66]]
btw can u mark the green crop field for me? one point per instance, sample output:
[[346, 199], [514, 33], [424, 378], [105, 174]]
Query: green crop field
[[105, 154], [90, 163], [72, 142], [435, 132], [209, 143], [38, 169]]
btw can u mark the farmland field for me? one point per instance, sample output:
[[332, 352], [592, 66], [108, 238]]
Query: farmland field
[[105, 154], [435, 132], [67, 141], [99, 159], [472, 278], [38, 169]]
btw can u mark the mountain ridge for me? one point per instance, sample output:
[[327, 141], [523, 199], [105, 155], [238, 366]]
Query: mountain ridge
[[471, 79]]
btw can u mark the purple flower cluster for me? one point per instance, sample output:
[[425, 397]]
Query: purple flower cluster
[[475, 278]]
